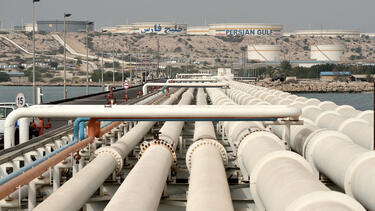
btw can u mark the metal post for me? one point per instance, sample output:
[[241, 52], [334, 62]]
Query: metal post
[[65, 16], [103, 61], [34, 85], [87, 58], [123, 66], [113, 71], [374, 110], [64, 56], [131, 68]]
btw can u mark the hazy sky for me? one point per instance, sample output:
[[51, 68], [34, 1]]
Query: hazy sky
[[293, 14]]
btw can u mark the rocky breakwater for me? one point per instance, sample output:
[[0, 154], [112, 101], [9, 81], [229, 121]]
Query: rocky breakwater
[[317, 86]]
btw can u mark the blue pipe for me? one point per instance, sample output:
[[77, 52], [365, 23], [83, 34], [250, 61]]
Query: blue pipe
[[77, 122]]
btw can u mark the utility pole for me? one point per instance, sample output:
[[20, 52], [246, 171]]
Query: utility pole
[[113, 57], [65, 16], [158, 58], [123, 67], [103, 31], [34, 85], [87, 58]]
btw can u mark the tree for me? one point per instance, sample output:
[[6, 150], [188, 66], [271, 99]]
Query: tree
[[4, 77], [285, 65]]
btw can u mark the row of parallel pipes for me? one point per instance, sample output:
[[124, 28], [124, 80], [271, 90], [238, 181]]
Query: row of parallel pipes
[[77, 190], [144, 185], [348, 163], [279, 179]]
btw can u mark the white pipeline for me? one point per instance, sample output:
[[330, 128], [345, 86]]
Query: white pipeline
[[76, 191], [144, 185], [334, 154], [273, 171], [145, 86], [324, 114], [205, 158], [145, 112]]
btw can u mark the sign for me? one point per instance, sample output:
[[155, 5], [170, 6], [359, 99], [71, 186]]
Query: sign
[[126, 85], [20, 100]]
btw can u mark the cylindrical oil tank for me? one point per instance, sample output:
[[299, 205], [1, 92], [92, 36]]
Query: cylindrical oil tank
[[264, 52], [327, 52]]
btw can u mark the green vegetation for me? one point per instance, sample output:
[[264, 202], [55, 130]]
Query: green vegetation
[[231, 38], [110, 65], [108, 76], [57, 80], [285, 69], [4, 77]]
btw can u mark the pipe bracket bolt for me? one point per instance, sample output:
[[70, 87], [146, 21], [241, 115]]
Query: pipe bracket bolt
[[116, 155], [204, 142], [145, 145]]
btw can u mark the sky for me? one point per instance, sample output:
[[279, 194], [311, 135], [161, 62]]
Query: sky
[[293, 14]]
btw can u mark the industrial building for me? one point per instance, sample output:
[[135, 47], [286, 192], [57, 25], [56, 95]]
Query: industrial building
[[264, 53], [327, 52], [71, 26], [149, 27], [327, 33], [198, 30], [221, 29], [245, 29]]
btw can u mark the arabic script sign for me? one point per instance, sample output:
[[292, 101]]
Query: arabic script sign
[[163, 29]]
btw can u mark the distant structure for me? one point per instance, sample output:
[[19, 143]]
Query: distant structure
[[58, 26], [332, 76], [263, 53], [327, 52], [327, 33], [198, 30], [245, 29], [149, 27], [221, 29]]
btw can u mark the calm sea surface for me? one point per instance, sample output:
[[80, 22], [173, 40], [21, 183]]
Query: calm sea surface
[[360, 101], [50, 93]]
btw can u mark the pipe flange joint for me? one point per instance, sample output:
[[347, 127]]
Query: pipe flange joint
[[114, 153], [354, 165], [248, 132], [203, 142], [145, 145]]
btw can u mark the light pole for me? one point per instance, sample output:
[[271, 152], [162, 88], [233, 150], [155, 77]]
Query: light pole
[[34, 85], [123, 67], [113, 57], [87, 58], [65, 16], [103, 31]]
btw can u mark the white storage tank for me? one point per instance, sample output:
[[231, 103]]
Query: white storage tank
[[327, 52], [264, 52]]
